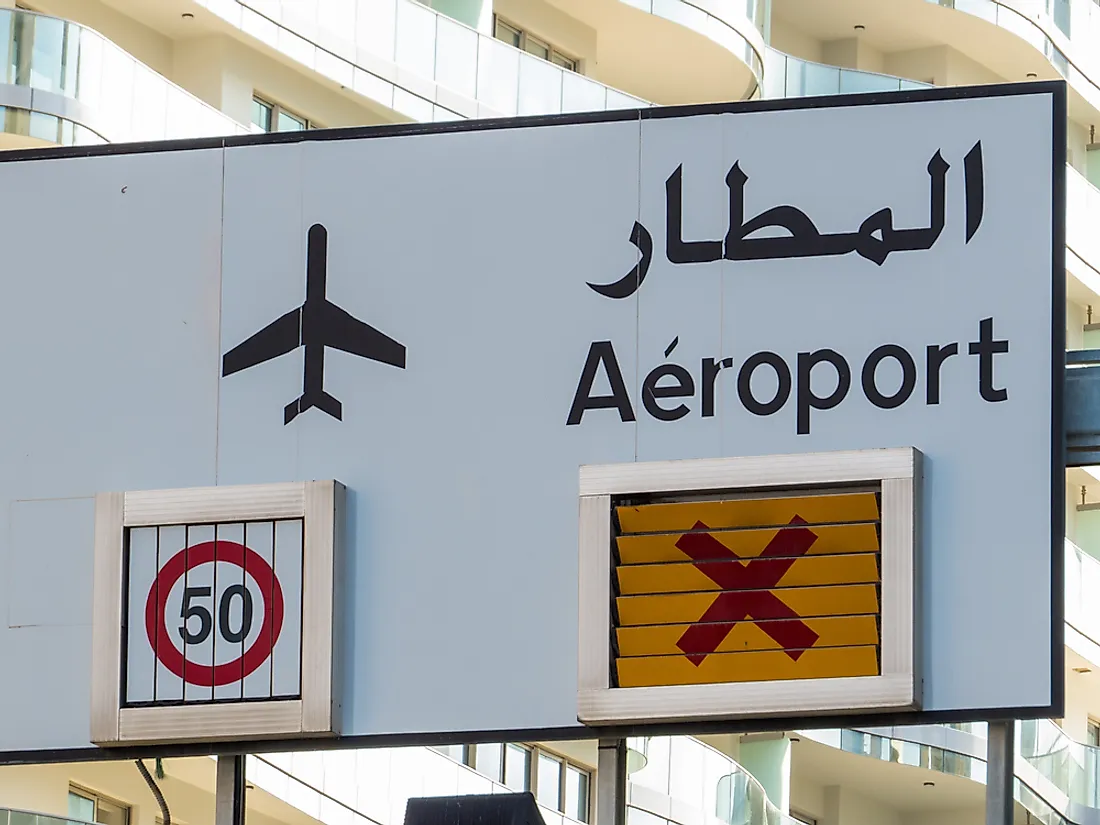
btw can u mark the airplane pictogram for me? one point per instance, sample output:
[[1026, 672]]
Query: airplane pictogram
[[316, 324], [746, 591]]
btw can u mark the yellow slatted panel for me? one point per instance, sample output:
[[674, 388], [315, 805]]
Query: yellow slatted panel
[[757, 666], [660, 640], [845, 538], [688, 608], [764, 512], [735, 575]]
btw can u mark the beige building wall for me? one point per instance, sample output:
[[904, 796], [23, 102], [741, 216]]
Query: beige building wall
[[787, 38]]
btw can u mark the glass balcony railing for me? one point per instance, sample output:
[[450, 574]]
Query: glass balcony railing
[[1082, 217], [64, 83], [419, 62], [787, 76], [1076, 19], [1058, 782], [1073, 768], [11, 816], [1082, 585], [709, 784], [369, 787], [721, 22]]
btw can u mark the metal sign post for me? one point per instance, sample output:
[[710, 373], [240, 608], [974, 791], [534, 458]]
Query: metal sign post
[[611, 782], [229, 791], [1000, 754]]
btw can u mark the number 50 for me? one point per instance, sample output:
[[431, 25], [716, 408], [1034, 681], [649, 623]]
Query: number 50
[[206, 621]]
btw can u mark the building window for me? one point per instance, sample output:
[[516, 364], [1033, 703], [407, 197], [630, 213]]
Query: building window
[[1092, 733], [517, 767], [488, 759], [455, 752], [515, 36], [89, 806], [556, 782], [271, 117], [576, 793]]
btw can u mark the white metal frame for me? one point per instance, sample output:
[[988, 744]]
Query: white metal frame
[[320, 504], [898, 687]]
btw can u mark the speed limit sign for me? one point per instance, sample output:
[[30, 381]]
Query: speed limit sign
[[220, 635], [188, 561], [214, 611]]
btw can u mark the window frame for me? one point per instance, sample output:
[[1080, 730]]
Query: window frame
[[277, 109], [534, 752], [95, 797], [551, 50], [1092, 725], [564, 763]]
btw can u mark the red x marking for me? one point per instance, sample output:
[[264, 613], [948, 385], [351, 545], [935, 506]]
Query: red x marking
[[746, 591]]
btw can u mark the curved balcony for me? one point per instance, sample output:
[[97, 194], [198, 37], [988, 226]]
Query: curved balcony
[[685, 780], [788, 76], [715, 51], [426, 66], [62, 83], [418, 62], [1057, 779], [1009, 40], [1065, 32]]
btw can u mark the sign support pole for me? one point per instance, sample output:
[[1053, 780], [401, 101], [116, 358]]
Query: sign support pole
[[229, 790], [610, 783], [999, 773]]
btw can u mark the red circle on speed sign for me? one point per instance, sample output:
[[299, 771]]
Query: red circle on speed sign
[[231, 553]]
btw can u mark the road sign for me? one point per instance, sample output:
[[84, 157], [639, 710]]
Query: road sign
[[750, 585], [219, 625], [699, 284], [799, 584]]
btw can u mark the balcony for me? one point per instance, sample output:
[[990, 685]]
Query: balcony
[[11, 816], [417, 62], [1082, 239], [1065, 32], [787, 76], [986, 40], [687, 781], [369, 787], [713, 51], [684, 782], [1057, 779], [61, 83], [1082, 585]]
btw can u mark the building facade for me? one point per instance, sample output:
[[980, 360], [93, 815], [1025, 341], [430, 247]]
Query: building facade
[[86, 72]]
